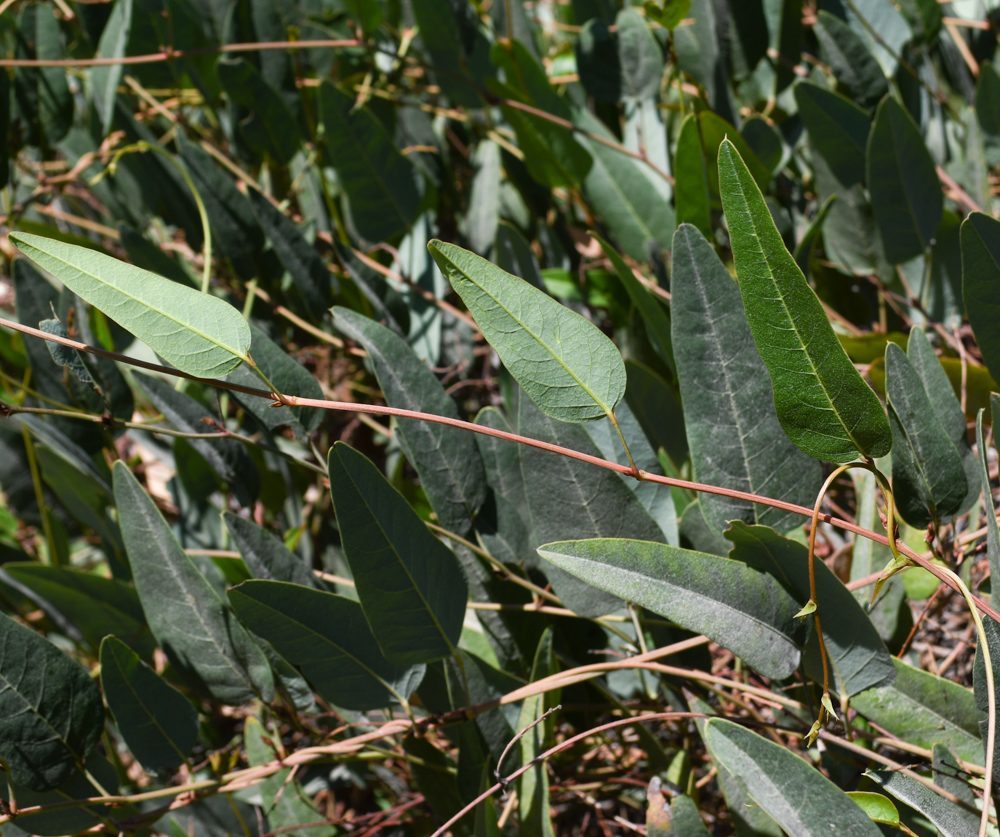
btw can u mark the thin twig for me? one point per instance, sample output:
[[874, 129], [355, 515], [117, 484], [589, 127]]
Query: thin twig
[[504, 782]]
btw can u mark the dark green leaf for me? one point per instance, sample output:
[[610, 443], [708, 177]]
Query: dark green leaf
[[598, 61], [409, 583], [857, 656], [446, 458], [949, 818], [628, 64], [928, 476], [903, 183], [983, 473], [228, 457], [104, 79], [691, 589], [838, 130], [327, 637], [42, 93], [980, 686], [64, 355], [286, 805], [310, 275], [630, 204], [383, 188], [192, 624], [569, 368], [807, 244], [988, 110], [822, 402], [95, 605], [981, 284], [692, 189], [658, 410], [158, 723], [799, 798], [4, 128], [51, 715], [513, 254], [265, 555], [459, 53], [925, 710], [271, 128], [853, 65], [735, 438]]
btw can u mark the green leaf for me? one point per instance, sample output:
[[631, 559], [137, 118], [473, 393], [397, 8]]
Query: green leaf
[[288, 376], [950, 776], [265, 555], [446, 458], [51, 715], [879, 808], [799, 798], [903, 184], [658, 410], [198, 333], [838, 130], [692, 188], [857, 656], [823, 404], [691, 589], [514, 254], [950, 819], [409, 583], [981, 284], [96, 606], [568, 499], [104, 79], [852, 63], [286, 805], [992, 529], [565, 364], [928, 477], [271, 128], [228, 457], [192, 624], [42, 93], [925, 710], [383, 188], [159, 724], [310, 275], [988, 110], [806, 247], [947, 407], [485, 201], [630, 204], [4, 128], [64, 355], [626, 65], [735, 438], [327, 637]]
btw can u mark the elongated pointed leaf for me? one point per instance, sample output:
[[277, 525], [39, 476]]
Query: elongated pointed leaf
[[823, 404], [838, 130], [992, 529], [104, 79], [157, 722], [903, 183], [928, 477], [857, 657], [691, 589], [446, 458], [327, 637], [51, 715], [199, 334], [950, 819], [925, 710], [981, 284], [565, 364], [733, 431], [980, 687], [692, 190], [799, 798], [853, 64], [194, 627], [409, 583], [265, 555]]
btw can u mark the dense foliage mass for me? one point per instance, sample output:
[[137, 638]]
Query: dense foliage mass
[[423, 417]]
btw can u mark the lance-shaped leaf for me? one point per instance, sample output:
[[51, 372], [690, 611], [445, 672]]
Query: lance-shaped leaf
[[104, 79], [327, 637], [981, 688], [692, 589], [981, 284], [265, 555], [852, 63], [857, 656], [789, 789], [198, 333], [838, 130], [951, 820], [925, 710], [195, 628], [823, 404], [692, 187], [733, 432], [410, 584], [992, 529], [928, 477], [51, 714], [446, 458], [157, 722], [569, 368], [903, 183]]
